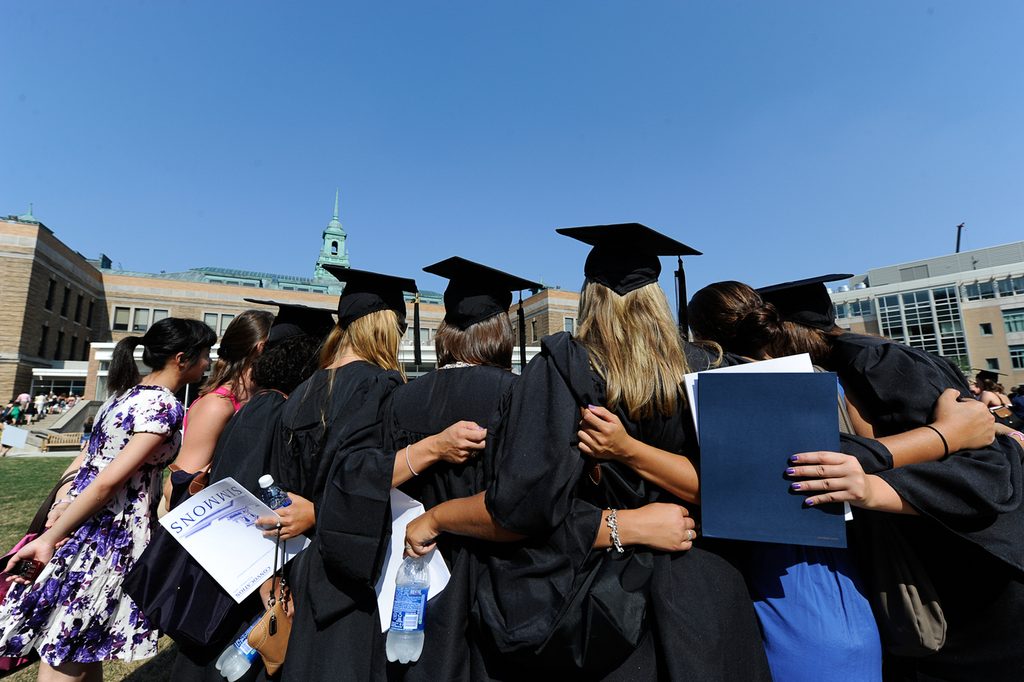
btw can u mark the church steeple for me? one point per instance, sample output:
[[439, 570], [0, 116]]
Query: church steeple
[[333, 251]]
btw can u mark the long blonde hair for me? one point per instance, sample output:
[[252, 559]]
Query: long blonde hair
[[373, 337], [635, 346]]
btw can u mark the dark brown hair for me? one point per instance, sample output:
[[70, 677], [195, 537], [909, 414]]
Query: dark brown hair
[[237, 349], [485, 343], [734, 316], [163, 341], [796, 338]]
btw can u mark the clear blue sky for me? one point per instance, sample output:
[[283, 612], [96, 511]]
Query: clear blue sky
[[781, 138]]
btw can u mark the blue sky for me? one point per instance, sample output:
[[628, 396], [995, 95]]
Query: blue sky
[[781, 138]]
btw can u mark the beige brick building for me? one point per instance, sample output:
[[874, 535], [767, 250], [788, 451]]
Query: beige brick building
[[63, 312], [968, 307]]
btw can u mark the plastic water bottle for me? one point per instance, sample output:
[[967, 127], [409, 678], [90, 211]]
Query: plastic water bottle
[[271, 493], [237, 658], [405, 638]]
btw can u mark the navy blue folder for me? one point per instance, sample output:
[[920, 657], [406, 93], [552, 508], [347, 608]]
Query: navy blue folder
[[750, 424]]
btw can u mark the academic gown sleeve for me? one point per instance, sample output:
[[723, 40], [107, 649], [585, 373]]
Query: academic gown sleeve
[[974, 493], [354, 517], [534, 492]]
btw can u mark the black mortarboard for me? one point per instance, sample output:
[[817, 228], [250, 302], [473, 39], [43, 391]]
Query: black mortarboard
[[805, 301], [367, 292], [476, 292], [625, 256], [293, 319], [988, 374]]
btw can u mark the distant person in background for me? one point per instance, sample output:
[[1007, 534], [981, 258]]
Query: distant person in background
[[990, 391], [1017, 401], [221, 397], [75, 613]]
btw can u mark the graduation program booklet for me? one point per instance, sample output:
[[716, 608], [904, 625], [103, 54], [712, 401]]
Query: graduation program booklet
[[750, 425], [217, 527], [403, 510]]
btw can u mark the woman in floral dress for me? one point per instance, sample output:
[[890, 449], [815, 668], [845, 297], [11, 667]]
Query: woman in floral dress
[[75, 614]]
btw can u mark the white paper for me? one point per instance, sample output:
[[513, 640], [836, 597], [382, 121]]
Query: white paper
[[217, 527], [403, 510], [791, 364], [13, 437]]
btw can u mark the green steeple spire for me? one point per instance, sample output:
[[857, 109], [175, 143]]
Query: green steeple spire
[[333, 251], [28, 217]]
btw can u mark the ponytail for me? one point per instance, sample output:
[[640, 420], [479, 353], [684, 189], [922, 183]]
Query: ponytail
[[124, 373]]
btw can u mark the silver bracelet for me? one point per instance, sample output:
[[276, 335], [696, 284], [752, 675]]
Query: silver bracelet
[[408, 462], [613, 524]]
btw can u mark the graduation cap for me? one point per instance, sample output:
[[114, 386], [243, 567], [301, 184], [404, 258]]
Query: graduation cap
[[805, 301], [988, 375], [368, 292], [625, 258], [476, 293], [293, 319]]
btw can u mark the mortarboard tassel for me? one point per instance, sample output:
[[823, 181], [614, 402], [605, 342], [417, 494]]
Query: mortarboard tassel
[[417, 355], [684, 330], [522, 334]]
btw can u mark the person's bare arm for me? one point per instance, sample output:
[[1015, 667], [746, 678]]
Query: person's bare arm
[[456, 444], [603, 436], [206, 420], [107, 482]]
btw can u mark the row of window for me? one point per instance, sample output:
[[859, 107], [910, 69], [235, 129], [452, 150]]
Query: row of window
[[1011, 286], [51, 294], [1017, 357], [136, 319], [74, 352]]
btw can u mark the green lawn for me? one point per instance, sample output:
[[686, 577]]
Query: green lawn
[[24, 483]]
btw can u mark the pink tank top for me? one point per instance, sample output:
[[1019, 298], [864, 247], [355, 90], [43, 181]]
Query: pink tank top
[[221, 391]]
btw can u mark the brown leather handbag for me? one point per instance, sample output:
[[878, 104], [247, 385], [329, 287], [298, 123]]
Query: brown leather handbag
[[271, 633]]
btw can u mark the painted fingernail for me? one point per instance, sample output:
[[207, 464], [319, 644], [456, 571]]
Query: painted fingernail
[[794, 458], [590, 407], [809, 503], [790, 471], [795, 486]]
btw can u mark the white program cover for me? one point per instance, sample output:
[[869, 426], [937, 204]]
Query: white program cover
[[403, 510], [217, 527]]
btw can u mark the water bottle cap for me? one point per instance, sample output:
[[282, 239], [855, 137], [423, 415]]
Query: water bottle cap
[[266, 480]]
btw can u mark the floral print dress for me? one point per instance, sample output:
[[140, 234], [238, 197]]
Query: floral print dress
[[76, 611]]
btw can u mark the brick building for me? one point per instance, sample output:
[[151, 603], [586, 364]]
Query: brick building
[[63, 313]]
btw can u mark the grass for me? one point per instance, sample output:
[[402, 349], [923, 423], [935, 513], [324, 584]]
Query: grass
[[24, 484]]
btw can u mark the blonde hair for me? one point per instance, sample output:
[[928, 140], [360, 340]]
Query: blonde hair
[[634, 346], [373, 337]]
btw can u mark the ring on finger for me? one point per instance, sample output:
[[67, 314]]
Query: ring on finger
[[691, 535]]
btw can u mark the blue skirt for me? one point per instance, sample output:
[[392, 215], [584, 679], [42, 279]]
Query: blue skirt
[[815, 618]]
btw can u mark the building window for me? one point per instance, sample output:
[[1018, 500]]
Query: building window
[[60, 344], [1017, 357], [41, 351], [78, 307], [860, 308], [334, 248], [992, 363], [73, 348], [140, 320], [1013, 320], [51, 287], [218, 322], [159, 314], [533, 330], [979, 291], [986, 328], [85, 350], [64, 303], [568, 324], [88, 315], [122, 316]]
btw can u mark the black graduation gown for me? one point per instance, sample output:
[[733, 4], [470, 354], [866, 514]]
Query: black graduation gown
[[243, 452], [970, 533], [702, 624], [419, 409], [335, 631]]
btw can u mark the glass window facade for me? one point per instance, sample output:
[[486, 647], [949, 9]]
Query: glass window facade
[[1017, 357], [1013, 320], [928, 319]]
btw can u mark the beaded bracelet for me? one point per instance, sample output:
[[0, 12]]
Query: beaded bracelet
[[613, 524]]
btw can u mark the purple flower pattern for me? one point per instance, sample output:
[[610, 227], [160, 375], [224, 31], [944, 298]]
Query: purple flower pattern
[[76, 610]]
